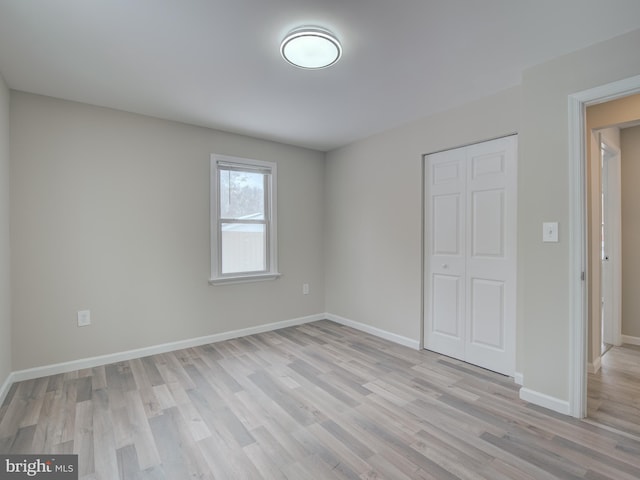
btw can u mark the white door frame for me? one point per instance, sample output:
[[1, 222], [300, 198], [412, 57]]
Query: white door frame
[[578, 234]]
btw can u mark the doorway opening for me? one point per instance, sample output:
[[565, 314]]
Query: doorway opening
[[614, 383], [586, 261]]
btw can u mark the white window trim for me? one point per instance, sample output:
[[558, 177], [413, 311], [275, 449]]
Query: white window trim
[[217, 277]]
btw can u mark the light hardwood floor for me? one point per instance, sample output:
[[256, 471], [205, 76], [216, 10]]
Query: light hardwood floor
[[614, 392], [317, 401]]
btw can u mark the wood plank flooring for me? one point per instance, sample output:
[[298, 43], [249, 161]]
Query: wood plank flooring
[[317, 401], [614, 392]]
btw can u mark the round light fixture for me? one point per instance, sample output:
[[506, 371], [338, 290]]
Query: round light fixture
[[311, 48]]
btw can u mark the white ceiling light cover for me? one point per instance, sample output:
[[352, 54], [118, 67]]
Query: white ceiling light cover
[[311, 48]]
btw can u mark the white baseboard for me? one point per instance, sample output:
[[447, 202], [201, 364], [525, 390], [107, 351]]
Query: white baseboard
[[64, 367], [593, 367], [630, 340], [91, 362], [4, 388], [544, 400], [518, 378], [363, 327]]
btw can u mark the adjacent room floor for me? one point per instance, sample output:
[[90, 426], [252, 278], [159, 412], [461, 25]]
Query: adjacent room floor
[[317, 401], [614, 392]]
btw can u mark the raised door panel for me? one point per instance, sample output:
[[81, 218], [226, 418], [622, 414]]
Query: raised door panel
[[486, 313], [447, 318], [488, 223], [444, 172], [487, 164], [447, 219]]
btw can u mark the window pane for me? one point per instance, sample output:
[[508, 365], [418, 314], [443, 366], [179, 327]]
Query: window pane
[[243, 247], [242, 195]]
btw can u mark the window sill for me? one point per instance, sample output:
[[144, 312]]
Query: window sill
[[244, 279]]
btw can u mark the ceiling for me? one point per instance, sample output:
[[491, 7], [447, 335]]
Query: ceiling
[[216, 63]]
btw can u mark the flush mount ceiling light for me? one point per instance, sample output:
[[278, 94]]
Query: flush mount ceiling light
[[311, 48]]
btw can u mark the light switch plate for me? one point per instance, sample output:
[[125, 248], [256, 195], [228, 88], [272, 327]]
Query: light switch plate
[[550, 232], [84, 318]]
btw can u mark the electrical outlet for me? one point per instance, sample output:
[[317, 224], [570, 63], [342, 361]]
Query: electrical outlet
[[84, 318], [305, 289]]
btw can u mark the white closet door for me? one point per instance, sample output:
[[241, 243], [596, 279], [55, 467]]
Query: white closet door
[[491, 259], [445, 325], [483, 276]]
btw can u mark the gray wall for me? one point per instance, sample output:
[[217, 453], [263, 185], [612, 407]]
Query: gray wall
[[110, 212], [5, 290], [374, 199], [630, 161]]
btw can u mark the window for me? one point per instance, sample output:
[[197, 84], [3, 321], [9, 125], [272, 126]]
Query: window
[[243, 220]]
